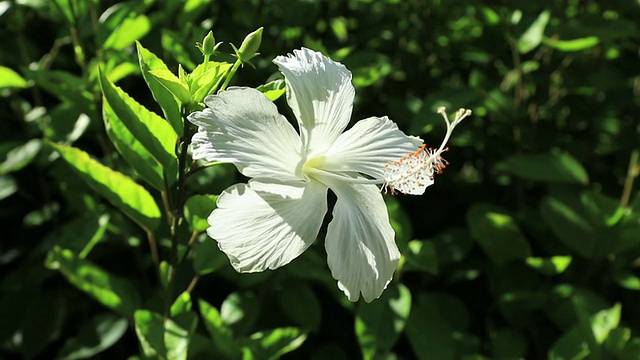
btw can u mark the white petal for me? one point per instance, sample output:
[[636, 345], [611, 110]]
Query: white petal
[[242, 126], [265, 225], [368, 146], [361, 250], [320, 93]]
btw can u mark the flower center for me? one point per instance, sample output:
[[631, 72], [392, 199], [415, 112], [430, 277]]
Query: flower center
[[313, 166]]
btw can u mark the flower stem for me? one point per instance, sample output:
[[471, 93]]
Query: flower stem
[[230, 75]]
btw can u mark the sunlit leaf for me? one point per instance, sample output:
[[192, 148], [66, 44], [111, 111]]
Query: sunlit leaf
[[125, 194], [532, 37], [171, 82], [109, 290], [152, 131], [497, 233], [165, 338], [206, 78], [573, 45], [130, 30], [604, 321], [220, 333], [239, 311], [272, 344], [168, 102], [83, 233], [21, 156], [143, 163], [10, 78], [273, 90], [8, 186], [549, 266], [197, 209], [181, 305]]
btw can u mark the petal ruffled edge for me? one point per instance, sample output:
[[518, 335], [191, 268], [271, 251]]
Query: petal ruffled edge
[[320, 93], [265, 225]]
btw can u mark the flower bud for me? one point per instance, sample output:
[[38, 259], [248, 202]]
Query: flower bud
[[208, 46], [250, 44]]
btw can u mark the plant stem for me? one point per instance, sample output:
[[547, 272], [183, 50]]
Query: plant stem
[[632, 172], [152, 246], [230, 75]]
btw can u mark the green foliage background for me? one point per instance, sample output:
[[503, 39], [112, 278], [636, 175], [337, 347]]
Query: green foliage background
[[527, 247]]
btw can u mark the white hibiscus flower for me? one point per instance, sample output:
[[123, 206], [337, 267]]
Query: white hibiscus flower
[[271, 220]]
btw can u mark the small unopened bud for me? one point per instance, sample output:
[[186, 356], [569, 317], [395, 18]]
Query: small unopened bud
[[250, 45], [208, 45]]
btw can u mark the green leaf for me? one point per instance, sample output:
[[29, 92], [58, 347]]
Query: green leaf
[[181, 305], [165, 339], [10, 78], [172, 83], [273, 89], [497, 233], [452, 245], [206, 78], [220, 333], [197, 209], [152, 131], [8, 186], [178, 334], [628, 281], [603, 322], [553, 168], [380, 323], [571, 228], [131, 198], [572, 345], [21, 156], [581, 342], [67, 87], [173, 43], [165, 272], [150, 330], [130, 30], [143, 163], [573, 45], [109, 290], [207, 256], [421, 255], [83, 233], [240, 311], [298, 301], [67, 123], [272, 344], [95, 336], [532, 37], [436, 326], [168, 102], [550, 266]]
